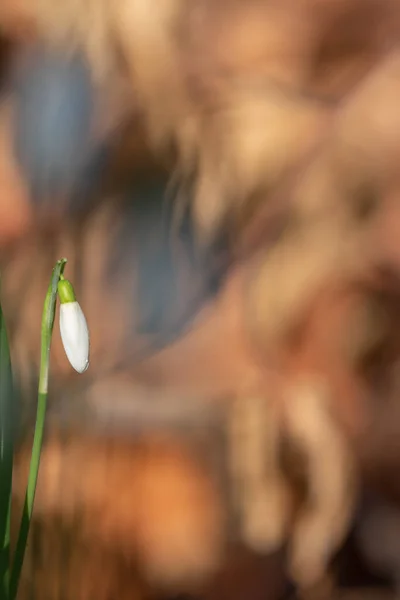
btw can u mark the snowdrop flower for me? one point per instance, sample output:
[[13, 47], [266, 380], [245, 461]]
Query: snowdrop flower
[[73, 327]]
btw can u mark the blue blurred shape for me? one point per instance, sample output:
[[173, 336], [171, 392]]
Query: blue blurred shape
[[53, 121]]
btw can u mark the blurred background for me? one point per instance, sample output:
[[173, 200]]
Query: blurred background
[[222, 177]]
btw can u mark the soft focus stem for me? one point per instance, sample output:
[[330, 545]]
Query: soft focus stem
[[46, 333]]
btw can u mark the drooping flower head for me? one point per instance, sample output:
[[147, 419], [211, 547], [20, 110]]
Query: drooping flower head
[[73, 327]]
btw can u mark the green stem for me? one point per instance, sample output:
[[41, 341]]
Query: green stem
[[46, 332]]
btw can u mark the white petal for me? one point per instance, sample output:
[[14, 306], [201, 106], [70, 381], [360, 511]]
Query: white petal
[[75, 335]]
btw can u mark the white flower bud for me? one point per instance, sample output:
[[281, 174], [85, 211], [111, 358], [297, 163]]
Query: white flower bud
[[75, 335]]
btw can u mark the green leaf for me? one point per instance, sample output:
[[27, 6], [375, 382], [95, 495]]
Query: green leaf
[[6, 454]]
